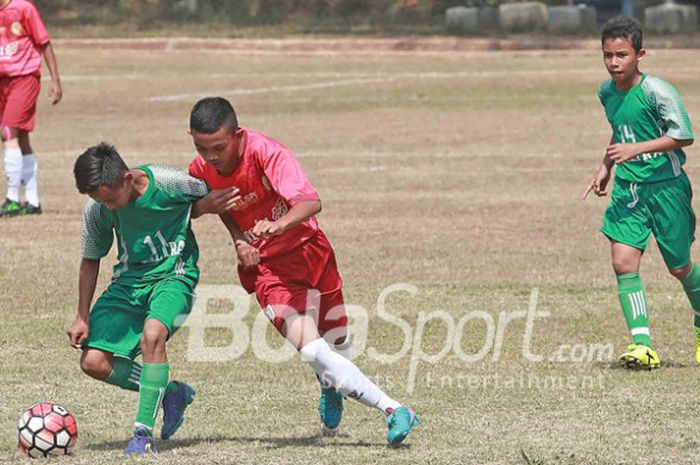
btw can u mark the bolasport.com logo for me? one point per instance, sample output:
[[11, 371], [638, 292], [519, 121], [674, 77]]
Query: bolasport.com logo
[[490, 330]]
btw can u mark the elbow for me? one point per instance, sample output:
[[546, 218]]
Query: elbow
[[680, 143], [318, 208], [88, 265]]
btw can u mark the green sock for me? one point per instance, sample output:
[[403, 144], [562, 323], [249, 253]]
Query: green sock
[[125, 373], [154, 380], [634, 306], [691, 286]]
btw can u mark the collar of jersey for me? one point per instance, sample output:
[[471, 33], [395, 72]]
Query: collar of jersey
[[623, 92], [149, 190]]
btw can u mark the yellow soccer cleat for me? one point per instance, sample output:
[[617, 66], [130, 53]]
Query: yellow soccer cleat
[[697, 345], [639, 357]]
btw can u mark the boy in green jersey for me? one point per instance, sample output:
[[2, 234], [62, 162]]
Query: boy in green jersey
[[152, 289], [652, 193]]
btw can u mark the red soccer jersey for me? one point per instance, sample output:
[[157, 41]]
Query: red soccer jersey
[[22, 32], [271, 181]]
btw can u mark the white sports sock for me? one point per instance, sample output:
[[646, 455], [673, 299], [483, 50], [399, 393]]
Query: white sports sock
[[30, 167], [344, 376], [13, 171]]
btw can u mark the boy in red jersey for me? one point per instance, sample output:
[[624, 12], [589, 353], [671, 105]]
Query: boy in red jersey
[[285, 258], [23, 41]]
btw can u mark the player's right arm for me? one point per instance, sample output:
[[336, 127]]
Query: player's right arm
[[216, 201], [97, 238], [600, 181], [87, 281], [247, 254]]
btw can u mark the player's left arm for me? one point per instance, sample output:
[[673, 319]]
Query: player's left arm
[[672, 116], [56, 92], [623, 152], [299, 213], [289, 180], [36, 29]]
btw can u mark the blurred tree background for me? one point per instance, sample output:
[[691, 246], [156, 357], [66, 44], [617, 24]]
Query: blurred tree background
[[307, 15]]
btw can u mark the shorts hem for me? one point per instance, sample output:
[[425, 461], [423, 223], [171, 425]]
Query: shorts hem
[[612, 238], [111, 350], [687, 262]]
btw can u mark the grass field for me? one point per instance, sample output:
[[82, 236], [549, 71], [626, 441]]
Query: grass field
[[460, 174]]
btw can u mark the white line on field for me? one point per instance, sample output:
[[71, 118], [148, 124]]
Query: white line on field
[[360, 78], [102, 77], [370, 78], [263, 90]]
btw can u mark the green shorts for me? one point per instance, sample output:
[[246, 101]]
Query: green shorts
[[663, 208], [118, 316]]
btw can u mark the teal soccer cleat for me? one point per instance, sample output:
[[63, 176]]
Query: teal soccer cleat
[[400, 422], [330, 407]]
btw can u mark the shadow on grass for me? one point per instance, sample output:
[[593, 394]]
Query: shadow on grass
[[665, 364], [271, 442]]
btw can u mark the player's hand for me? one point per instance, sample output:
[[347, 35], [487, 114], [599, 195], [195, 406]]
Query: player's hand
[[266, 228], [599, 183], [78, 332], [620, 153], [56, 93], [247, 254], [219, 201]]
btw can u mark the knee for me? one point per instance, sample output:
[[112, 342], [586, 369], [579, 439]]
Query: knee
[[680, 273], [153, 339], [624, 265], [10, 136], [96, 366]]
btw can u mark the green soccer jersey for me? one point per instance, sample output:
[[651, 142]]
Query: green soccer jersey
[[153, 232], [648, 111]]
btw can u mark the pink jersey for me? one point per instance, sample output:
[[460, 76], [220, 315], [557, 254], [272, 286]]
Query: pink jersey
[[271, 181], [22, 32]]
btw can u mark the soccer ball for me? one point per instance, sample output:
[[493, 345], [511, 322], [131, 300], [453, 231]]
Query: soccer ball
[[47, 429]]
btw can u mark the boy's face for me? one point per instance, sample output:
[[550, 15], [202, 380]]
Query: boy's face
[[219, 149], [621, 60], [114, 198]]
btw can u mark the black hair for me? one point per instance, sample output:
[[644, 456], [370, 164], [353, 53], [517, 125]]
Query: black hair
[[100, 165], [210, 114], [623, 27]]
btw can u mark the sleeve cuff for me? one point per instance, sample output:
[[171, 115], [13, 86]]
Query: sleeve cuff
[[680, 135], [302, 198]]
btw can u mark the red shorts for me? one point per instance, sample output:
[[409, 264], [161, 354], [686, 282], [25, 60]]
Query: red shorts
[[303, 280], [18, 101]]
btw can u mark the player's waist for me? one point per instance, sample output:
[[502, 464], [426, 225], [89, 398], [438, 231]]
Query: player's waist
[[174, 265], [625, 182], [289, 242], [650, 173]]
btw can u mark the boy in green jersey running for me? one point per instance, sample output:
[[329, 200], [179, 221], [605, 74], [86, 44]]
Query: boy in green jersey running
[[152, 289], [652, 193]]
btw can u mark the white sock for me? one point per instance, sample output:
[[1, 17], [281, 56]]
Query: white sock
[[13, 171], [344, 376], [30, 168]]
